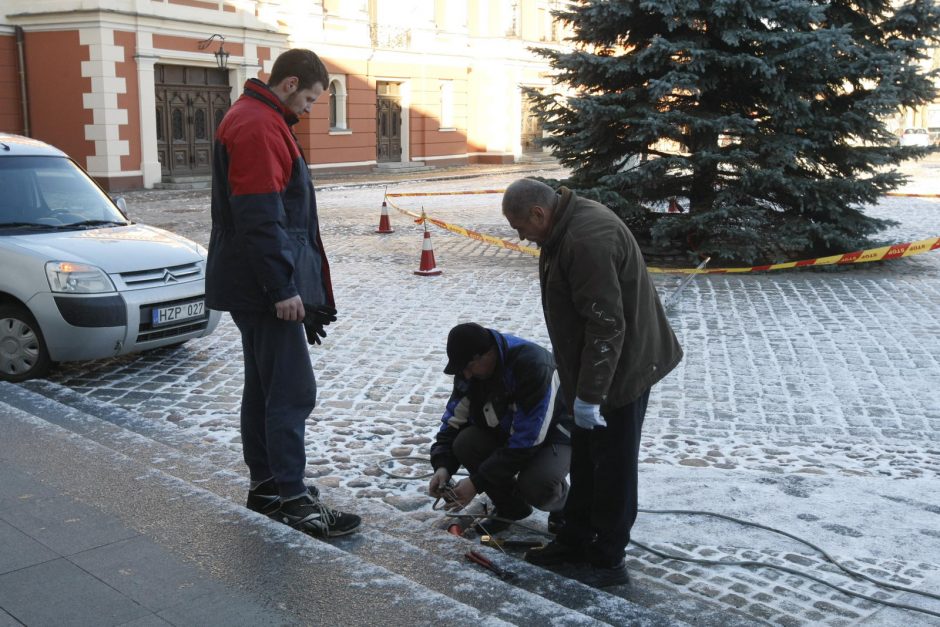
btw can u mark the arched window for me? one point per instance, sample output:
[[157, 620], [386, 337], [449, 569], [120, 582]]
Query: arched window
[[337, 90], [333, 104]]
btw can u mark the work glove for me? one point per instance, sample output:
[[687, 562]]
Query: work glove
[[315, 319], [588, 415]]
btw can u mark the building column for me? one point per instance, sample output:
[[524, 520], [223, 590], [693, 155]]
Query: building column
[[106, 116], [149, 162]]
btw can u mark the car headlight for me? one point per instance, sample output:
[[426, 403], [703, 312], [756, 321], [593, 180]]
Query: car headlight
[[77, 278]]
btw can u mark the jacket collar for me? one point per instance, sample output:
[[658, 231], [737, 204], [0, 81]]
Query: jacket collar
[[562, 216], [259, 91]]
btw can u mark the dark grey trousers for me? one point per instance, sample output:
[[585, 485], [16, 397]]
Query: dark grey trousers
[[279, 394], [602, 506], [541, 483]]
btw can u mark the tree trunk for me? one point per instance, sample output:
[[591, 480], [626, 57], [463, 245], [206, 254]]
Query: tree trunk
[[702, 191]]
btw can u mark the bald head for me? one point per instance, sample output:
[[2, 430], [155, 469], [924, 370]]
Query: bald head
[[523, 194], [529, 206]]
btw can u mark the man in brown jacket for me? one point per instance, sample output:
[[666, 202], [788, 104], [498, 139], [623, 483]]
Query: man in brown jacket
[[611, 342]]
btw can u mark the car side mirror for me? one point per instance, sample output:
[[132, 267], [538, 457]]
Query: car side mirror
[[121, 204]]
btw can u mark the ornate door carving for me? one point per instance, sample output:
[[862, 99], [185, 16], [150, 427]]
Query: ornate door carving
[[190, 106]]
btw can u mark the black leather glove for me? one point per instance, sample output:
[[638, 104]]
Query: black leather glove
[[317, 317]]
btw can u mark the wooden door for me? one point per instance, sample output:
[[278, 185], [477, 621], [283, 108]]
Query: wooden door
[[531, 127], [388, 122], [190, 105]]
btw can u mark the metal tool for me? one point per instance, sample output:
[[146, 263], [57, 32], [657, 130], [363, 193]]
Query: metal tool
[[497, 543], [673, 298], [477, 558]]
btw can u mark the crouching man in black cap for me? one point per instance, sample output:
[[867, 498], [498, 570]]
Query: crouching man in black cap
[[506, 424]]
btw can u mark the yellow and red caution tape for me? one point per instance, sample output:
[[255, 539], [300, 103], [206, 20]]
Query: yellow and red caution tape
[[459, 230], [883, 253], [904, 195]]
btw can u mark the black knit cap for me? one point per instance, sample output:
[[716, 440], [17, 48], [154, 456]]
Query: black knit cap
[[464, 342]]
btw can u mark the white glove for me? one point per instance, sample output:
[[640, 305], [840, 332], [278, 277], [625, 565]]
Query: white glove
[[588, 415]]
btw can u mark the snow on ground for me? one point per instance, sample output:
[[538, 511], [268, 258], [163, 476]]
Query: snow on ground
[[806, 399]]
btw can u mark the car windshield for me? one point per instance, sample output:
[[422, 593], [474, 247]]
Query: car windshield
[[51, 193]]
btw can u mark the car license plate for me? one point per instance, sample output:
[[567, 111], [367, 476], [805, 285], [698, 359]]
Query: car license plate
[[170, 314]]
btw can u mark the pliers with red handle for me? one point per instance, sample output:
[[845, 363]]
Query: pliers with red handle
[[473, 556]]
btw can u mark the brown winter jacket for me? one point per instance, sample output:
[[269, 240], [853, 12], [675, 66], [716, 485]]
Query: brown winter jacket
[[609, 331]]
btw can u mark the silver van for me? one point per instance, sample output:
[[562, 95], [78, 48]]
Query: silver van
[[78, 280]]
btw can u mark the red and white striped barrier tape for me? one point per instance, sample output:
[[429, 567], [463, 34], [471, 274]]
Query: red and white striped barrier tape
[[904, 195], [883, 253], [459, 230]]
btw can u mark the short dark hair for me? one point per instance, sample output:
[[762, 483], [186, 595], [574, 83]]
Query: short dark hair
[[302, 63]]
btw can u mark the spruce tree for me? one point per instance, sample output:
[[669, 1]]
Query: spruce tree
[[765, 118]]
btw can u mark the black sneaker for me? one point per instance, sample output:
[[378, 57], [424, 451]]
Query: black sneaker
[[603, 576], [308, 514], [556, 520], [491, 526], [498, 522], [264, 499], [555, 554]]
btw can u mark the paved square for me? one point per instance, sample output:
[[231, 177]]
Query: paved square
[[797, 386]]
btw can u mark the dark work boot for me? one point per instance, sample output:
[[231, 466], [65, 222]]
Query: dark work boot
[[556, 520], [555, 554], [500, 521], [603, 576]]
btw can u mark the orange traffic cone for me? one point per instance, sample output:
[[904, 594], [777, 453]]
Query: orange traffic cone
[[428, 266], [384, 225]]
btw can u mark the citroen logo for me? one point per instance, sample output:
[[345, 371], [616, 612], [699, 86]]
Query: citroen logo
[[169, 277]]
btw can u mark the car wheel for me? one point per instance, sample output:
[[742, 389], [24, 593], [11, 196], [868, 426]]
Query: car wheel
[[23, 353]]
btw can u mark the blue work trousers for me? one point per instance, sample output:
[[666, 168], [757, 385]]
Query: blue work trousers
[[279, 394]]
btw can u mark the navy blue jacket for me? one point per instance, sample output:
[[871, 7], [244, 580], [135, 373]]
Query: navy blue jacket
[[520, 402], [265, 243]]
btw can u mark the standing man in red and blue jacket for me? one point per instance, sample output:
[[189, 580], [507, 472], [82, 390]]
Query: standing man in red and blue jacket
[[268, 269]]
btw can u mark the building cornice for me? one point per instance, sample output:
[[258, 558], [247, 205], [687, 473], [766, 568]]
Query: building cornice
[[229, 25]]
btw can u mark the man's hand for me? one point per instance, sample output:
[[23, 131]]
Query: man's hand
[[464, 492], [290, 309], [438, 483], [319, 314], [315, 319], [588, 415]]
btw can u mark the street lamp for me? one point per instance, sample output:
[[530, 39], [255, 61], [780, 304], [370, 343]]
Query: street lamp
[[221, 55]]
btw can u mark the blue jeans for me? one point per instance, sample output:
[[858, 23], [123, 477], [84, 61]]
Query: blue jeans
[[279, 394]]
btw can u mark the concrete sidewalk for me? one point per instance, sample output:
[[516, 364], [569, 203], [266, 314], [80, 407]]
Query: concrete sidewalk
[[91, 537], [102, 572]]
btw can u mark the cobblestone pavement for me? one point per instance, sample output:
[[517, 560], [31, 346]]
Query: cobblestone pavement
[[798, 385]]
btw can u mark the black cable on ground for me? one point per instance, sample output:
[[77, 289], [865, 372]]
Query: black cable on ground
[[798, 573], [829, 558], [744, 563]]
